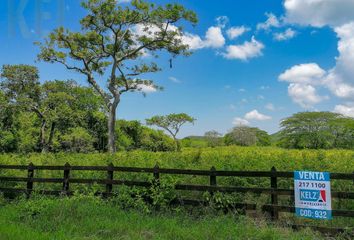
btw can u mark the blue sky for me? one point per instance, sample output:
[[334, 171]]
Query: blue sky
[[255, 62]]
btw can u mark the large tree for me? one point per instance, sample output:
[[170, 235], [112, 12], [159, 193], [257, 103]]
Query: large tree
[[247, 136], [316, 130], [110, 46], [172, 123]]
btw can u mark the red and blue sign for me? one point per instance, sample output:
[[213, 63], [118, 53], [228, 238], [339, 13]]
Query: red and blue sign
[[312, 194]]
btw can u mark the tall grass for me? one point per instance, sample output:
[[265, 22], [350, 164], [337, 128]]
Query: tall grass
[[91, 218]]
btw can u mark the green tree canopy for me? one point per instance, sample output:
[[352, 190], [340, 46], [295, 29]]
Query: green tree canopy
[[172, 123], [109, 47], [247, 136], [317, 130]]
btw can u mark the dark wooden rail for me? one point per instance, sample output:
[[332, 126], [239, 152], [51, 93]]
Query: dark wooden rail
[[273, 209]]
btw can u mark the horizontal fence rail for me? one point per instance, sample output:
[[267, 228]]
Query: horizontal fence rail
[[273, 209]]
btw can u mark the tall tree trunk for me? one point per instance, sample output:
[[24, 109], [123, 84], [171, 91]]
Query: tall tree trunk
[[177, 144], [42, 136], [51, 136], [112, 126]]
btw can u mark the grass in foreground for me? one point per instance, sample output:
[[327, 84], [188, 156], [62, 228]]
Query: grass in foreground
[[91, 218]]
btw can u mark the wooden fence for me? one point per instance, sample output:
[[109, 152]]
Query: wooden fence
[[273, 191]]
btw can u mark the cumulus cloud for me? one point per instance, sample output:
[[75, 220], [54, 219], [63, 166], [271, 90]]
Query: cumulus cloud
[[235, 32], [340, 79], [214, 38], [286, 35], [339, 16], [305, 95], [272, 21], [193, 41], [319, 13], [245, 51], [345, 110], [308, 73], [255, 115], [240, 122]]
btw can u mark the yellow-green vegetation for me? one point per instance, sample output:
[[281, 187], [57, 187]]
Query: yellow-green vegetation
[[84, 217], [223, 158]]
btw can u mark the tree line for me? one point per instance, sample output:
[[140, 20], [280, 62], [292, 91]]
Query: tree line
[[304, 130], [63, 116]]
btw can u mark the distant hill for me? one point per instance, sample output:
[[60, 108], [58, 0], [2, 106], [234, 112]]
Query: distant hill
[[195, 137]]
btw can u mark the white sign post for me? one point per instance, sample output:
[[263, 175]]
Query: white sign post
[[313, 195]]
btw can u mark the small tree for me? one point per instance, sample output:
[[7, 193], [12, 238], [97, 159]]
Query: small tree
[[110, 46], [213, 138], [242, 136], [172, 123]]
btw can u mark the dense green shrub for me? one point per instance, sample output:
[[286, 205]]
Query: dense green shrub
[[247, 136], [132, 135], [77, 140]]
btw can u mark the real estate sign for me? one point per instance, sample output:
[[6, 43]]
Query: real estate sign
[[313, 194]]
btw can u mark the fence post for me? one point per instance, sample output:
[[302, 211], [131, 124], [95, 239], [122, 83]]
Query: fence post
[[109, 186], [212, 179], [274, 196], [30, 175], [157, 174], [66, 178], [212, 176]]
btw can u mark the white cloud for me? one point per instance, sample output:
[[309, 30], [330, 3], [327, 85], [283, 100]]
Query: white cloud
[[245, 51], [242, 90], [340, 79], [255, 115], [235, 32], [319, 13], [175, 80], [214, 38], [272, 21], [270, 106], [304, 94], [345, 110], [309, 73], [146, 88], [193, 41], [240, 122], [222, 21], [286, 35], [339, 16]]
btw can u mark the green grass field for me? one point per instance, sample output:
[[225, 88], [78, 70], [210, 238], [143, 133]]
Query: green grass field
[[91, 218]]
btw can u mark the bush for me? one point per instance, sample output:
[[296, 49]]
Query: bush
[[132, 135], [77, 140], [247, 136]]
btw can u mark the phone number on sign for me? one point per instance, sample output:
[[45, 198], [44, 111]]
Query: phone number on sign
[[312, 185]]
